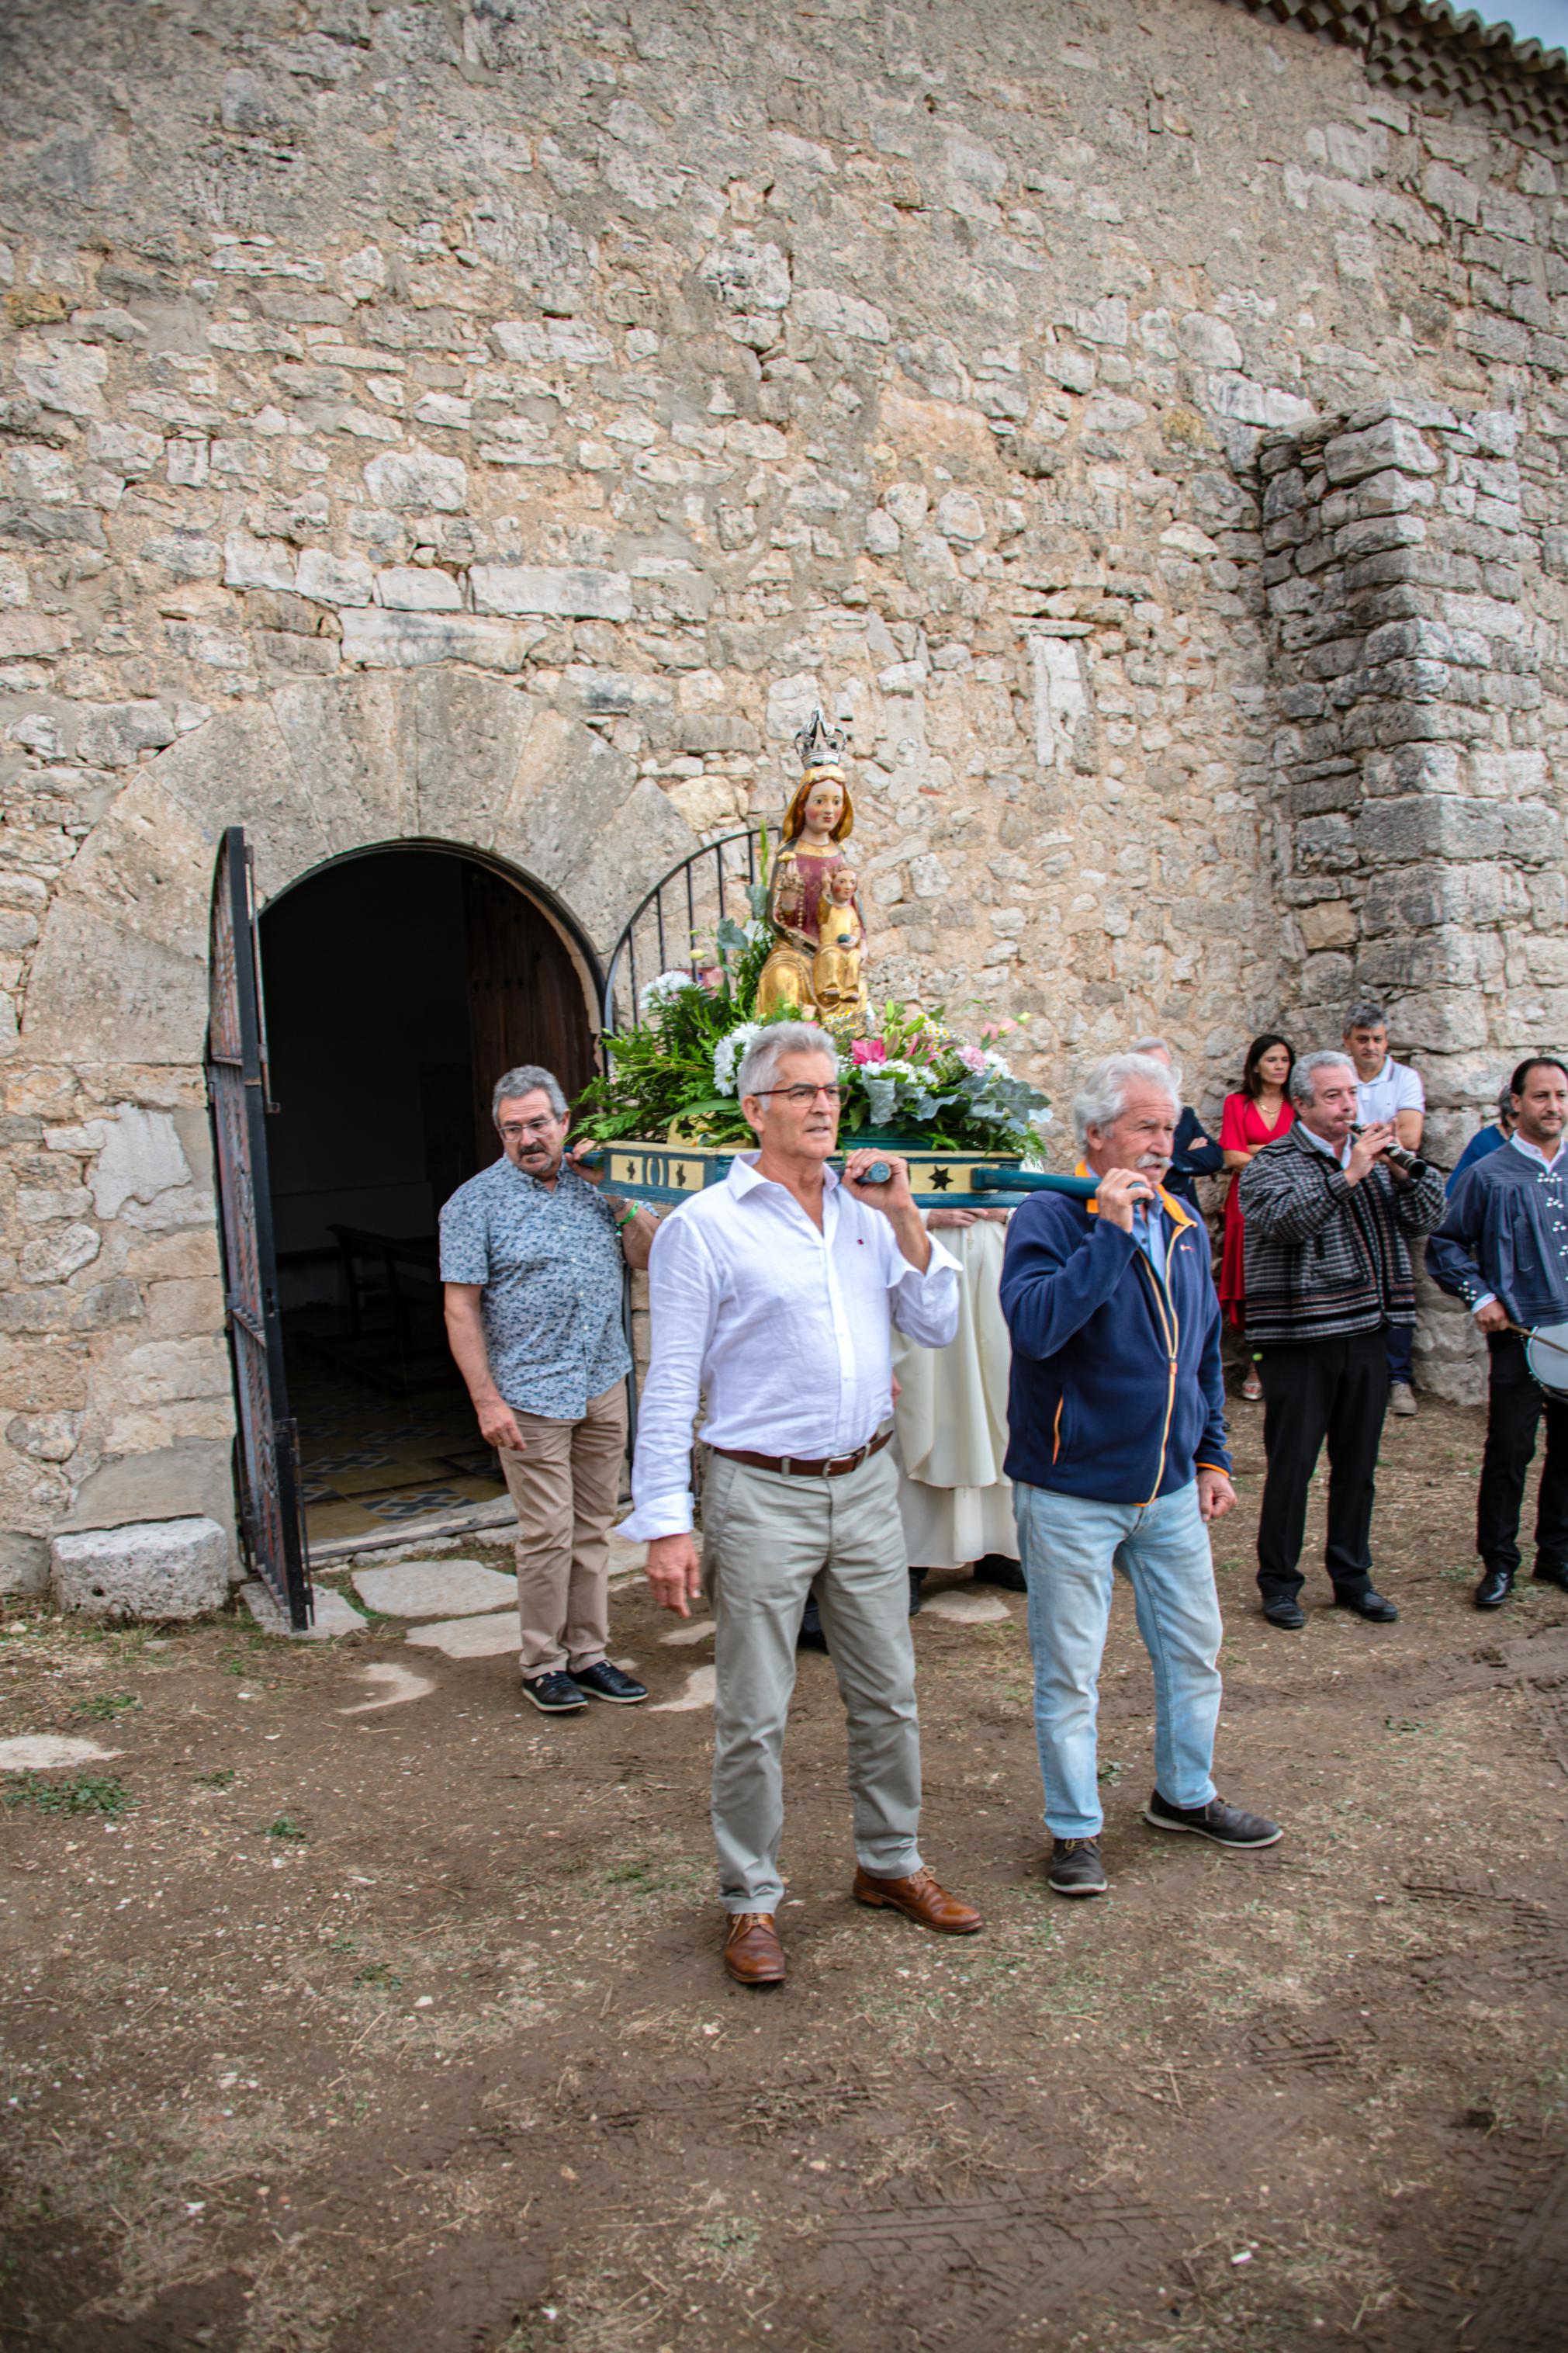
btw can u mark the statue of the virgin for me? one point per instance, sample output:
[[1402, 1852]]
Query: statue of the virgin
[[818, 820]]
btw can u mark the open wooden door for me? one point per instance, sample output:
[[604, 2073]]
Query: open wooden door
[[525, 997], [266, 1448]]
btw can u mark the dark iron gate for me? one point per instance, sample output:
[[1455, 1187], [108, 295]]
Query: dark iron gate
[[266, 1447]]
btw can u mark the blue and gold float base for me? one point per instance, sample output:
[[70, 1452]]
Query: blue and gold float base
[[674, 1172]]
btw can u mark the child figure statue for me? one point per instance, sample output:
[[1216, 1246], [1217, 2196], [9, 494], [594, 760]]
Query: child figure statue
[[836, 978]]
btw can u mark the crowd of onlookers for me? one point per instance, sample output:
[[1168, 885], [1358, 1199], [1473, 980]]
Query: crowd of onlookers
[[1290, 1260]]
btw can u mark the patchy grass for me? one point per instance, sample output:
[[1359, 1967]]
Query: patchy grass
[[78, 1793]]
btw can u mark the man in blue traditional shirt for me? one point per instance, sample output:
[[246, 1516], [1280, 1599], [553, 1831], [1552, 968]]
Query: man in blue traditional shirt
[[532, 1259], [1503, 1250]]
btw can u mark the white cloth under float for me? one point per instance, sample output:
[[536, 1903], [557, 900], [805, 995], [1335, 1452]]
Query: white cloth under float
[[951, 1419]]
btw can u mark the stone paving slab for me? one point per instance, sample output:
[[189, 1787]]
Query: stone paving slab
[[334, 1614], [470, 1638], [700, 1686], [435, 1589], [684, 1634], [39, 1751], [966, 1608]]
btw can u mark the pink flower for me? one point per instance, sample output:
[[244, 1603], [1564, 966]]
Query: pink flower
[[867, 1050], [972, 1058]]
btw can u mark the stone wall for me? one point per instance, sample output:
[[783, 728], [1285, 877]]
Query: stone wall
[[500, 423], [1424, 842]]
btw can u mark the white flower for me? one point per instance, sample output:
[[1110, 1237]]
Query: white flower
[[664, 990], [731, 1052]]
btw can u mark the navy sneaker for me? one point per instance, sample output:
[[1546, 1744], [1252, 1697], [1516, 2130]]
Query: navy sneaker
[[1226, 1825], [1076, 1868], [553, 1694], [606, 1681]]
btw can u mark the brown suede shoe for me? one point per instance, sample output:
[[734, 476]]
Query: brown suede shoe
[[753, 1952], [922, 1899]]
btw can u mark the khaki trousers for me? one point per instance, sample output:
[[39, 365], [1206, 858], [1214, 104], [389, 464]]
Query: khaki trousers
[[768, 1538], [565, 1490]]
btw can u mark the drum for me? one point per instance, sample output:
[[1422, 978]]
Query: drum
[[1546, 1353]]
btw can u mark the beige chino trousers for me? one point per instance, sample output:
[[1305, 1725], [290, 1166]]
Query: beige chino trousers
[[768, 1537], [565, 1490]]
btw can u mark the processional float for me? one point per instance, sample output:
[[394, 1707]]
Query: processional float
[[665, 1116]]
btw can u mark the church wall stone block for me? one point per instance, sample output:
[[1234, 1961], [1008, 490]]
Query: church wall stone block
[[500, 425]]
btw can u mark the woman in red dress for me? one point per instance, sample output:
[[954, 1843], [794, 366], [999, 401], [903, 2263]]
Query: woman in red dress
[[1260, 1114]]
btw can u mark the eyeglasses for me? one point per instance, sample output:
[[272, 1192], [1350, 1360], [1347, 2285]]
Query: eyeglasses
[[802, 1096], [515, 1128]]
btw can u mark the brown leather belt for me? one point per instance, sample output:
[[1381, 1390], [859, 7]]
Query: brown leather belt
[[794, 1468]]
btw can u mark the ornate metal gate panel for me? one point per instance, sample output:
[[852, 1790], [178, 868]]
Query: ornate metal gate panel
[[268, 1445]]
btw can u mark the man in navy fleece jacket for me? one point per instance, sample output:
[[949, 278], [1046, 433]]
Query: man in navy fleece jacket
[[1119, 1459]]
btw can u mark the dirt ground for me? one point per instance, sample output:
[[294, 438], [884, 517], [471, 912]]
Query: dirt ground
[[404, 2032]]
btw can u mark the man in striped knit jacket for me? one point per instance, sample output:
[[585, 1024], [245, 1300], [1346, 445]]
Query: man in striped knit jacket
[[1328, 1273]]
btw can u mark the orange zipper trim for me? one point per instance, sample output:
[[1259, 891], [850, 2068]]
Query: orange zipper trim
[[1057, 1433]]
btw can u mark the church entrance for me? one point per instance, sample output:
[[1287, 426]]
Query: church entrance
[[398, 985]]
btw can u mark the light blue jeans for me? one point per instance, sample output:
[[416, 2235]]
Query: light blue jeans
[[1071, 1550]]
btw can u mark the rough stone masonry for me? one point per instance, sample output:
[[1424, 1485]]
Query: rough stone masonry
[[499, 423]]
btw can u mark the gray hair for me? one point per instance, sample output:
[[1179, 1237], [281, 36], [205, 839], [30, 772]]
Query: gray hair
[[1158, 1046], [1367, 1014], [528, 1079], [1505, 1099], [1303, 1076], [760, 1063], [1102, 1095]]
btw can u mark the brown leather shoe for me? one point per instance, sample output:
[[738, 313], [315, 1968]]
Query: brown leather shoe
[[922, 1899], [753, 1952]]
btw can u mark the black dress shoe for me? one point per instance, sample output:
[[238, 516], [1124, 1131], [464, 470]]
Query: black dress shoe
[[1494, 1589], [917, 1593], [1289, 1614], [997, 1569], [1369, 1604], [1551, 1572]]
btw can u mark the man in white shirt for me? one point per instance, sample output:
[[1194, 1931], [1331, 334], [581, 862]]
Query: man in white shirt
[[770, 1295], [1388, 1093]]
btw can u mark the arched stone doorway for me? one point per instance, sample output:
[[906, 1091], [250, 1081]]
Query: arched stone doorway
[[114, 1019], [399, 983]]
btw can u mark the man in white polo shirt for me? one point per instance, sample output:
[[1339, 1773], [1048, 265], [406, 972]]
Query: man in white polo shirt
[[1387, 1093]]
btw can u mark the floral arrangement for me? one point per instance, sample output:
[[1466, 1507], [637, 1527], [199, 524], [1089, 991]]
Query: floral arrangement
[[676, 1076]]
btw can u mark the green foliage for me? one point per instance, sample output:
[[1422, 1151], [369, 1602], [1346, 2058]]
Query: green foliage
[[104, 1706], [285, 1827], [218, 1779], [81, 1793], [911, 1076]]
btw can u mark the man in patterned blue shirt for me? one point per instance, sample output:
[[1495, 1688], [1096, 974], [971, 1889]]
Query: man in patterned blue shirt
[[532, 1259]]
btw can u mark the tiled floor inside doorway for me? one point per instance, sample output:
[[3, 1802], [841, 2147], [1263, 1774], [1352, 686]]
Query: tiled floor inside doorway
[[372, 1460]]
